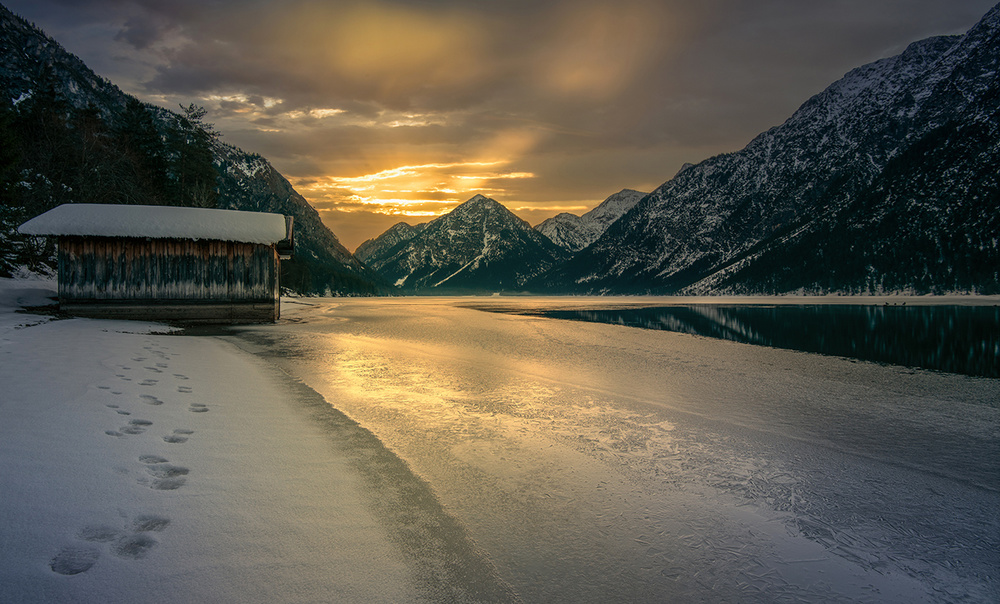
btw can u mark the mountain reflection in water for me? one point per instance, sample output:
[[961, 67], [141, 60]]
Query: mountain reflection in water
[[956, 339]]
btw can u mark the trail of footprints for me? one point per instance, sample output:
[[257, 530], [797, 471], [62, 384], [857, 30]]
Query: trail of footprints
[[134, 539]]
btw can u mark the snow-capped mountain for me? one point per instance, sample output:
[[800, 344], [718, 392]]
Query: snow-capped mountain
[[374, 249], [69, 122], [480, 246], [885, 181], [577, 232]]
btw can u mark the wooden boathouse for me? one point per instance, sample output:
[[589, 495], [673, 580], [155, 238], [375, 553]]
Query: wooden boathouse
[[167, 263]]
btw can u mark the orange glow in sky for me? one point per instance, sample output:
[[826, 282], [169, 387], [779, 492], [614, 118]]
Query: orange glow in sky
[[378, 111]]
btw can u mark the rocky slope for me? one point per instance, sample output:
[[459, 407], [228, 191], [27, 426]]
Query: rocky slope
[[480, 246], [577, 232], [379, 247], [884, 182]]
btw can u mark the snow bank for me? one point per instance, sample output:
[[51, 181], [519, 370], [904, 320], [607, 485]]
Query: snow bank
[[158, 222], [19, 293], [141, 467]]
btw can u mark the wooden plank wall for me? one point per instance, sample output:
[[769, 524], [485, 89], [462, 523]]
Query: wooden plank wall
[[104, 268]]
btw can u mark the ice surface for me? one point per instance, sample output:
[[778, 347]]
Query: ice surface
[[597, 463], [101, 220]]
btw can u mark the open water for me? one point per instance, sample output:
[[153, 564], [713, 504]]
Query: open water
[[954, 338]]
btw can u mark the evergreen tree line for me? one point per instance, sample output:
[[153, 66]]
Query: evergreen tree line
[[52, 153]]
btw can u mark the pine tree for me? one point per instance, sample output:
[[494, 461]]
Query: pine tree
[[10, 149], [144, 160], [92, 180], [43, 119], [194, 172]]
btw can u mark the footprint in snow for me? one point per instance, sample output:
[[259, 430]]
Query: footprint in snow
[[99, 533], [198, 408], [148, 382], [149, 522], [133, 547], [179, 436], [184, 389], [74, 559], [166, 477], [149, 399], [165, 470]]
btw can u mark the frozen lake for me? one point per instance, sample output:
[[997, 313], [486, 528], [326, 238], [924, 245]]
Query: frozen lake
[[596, 463]]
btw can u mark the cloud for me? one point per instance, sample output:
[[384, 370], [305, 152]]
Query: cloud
[[586, 96]]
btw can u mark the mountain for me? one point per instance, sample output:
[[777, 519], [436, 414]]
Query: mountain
[[321, 264], [374, 249], [574, 232], [480, 246], [69, 136], [887, 181]]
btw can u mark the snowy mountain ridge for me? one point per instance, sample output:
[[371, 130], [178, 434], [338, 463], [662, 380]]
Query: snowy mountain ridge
[[574, 232], [479, 246], [393, 236], [783, 213]]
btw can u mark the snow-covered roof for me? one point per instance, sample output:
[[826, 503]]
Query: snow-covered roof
[[157, 222]]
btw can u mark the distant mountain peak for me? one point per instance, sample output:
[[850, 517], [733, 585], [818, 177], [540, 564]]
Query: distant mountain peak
[[574, 232], [373, 249], [480, 246], [479, 203], [480, 208]]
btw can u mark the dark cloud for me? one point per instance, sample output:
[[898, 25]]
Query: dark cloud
[[143, 31], [589, 96]]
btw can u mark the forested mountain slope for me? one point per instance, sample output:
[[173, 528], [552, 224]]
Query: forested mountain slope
[[69, 136]]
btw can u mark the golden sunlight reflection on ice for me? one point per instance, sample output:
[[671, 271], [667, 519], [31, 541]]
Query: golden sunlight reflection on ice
[[602, 463]]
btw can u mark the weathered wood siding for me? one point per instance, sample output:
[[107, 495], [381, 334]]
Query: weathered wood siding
[[168, 272]]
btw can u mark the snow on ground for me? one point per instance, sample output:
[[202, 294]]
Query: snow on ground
[[139, 466]]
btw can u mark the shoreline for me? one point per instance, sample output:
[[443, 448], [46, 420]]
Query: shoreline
[[178, 468], [240, 481]]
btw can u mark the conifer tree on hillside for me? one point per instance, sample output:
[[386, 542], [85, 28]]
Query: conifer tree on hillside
[[144, 156], [190, 145]]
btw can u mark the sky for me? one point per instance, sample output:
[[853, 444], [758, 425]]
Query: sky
[[381, 111]]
